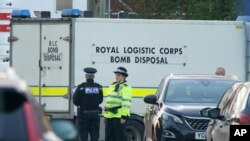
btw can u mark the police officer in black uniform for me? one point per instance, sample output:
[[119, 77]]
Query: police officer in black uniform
[[87, 98]]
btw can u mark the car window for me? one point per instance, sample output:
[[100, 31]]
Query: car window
[[13, 122], [225, 111], [238, 101], [10, 100], [12, 117], [248, 104], [248, 101], [225, 97], [196, 90], [228, 95], [160, 88]]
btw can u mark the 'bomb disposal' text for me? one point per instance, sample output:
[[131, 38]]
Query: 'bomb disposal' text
[[142, 55]]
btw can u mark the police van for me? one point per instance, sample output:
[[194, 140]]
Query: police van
[[50, 53]]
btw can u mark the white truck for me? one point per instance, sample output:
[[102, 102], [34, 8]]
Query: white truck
[[51, 54], [35, 6]]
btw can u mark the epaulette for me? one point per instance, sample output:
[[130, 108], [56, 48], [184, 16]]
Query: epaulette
[[114, 83], [98, 84], [84, 83]]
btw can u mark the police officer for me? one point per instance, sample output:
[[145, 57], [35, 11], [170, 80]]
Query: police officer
[[87, 97], [117, 109]]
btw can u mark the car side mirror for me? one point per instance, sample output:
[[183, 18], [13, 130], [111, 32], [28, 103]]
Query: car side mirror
[[214, 113], [204, 112], [64, 129], [150, 99]]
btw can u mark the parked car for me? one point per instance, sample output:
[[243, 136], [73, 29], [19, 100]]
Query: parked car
[[175, 111], [204, 112], [22, 119], [233, 109]]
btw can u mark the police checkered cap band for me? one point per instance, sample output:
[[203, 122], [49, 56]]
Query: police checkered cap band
[[89, 74], [120, 71]]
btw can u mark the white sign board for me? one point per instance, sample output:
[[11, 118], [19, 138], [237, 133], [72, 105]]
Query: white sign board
[[9, 4]]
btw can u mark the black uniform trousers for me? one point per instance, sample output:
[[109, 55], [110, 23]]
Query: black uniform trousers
[[114, 130], [89, 123]]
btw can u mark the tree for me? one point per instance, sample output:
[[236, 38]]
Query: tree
[[186, 9]]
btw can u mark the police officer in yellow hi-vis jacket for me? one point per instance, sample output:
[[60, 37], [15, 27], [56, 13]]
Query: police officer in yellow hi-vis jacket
[[117, 108]]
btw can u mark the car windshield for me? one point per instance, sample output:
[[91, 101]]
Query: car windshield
[[196, 90], [12, 115], [248, 104]]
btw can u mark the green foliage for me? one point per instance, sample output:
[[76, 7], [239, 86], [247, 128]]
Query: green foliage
[[186, 9]]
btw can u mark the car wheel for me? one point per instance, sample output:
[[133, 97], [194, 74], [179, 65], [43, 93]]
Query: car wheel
[[134, 130]]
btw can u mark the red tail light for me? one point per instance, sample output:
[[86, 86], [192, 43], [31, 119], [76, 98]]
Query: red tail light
[[243, 119]]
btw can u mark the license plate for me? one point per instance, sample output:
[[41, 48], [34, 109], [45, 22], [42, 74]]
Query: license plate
[[200, 135]]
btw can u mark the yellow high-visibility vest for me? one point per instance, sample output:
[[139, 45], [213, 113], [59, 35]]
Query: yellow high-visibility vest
[[121, 97]]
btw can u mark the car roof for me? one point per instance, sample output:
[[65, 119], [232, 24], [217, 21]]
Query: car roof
[[9, 79], [201, 76], [247, 83]]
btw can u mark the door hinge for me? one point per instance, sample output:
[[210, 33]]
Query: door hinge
[[66, 39], [12, 39]]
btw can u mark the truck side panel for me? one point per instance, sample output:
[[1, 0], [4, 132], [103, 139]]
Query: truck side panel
[[150, 49], [202, 46]]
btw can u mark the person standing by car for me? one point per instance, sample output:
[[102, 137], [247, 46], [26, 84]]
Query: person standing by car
[[220, 71], [117, 109], [87, 97]]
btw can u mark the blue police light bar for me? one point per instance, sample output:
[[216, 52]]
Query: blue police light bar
[[20, 13], [71, 13]]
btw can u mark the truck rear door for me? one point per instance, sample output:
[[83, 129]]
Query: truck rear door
[[40, 53]]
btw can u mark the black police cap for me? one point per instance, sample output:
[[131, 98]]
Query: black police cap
[[122, 71], [90, 70]]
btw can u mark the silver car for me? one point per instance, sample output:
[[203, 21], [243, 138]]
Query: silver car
[[233, 109]]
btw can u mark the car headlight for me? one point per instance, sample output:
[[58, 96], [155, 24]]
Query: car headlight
[[167, 116]]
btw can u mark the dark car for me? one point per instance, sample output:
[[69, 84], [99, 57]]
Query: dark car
[[22, 119], [233, 109], [175, 111]]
